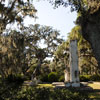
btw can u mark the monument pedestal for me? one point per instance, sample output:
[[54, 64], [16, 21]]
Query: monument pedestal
[[68, 84], [75, 84], [72, 84]]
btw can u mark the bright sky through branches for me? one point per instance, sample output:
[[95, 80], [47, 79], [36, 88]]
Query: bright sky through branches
[[60, 18]]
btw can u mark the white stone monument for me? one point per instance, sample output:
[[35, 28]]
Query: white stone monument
[[74, 71], [67, 74]]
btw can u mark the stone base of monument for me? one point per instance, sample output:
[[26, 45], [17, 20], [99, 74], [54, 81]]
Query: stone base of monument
[[68, 84], [35, 82], [72, 84], [59, 84], [64, 85], [75, 84]]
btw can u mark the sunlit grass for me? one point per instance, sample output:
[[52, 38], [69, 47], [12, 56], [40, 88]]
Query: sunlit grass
[[45, 85], [94, 94], [94, 85], [39, 85]]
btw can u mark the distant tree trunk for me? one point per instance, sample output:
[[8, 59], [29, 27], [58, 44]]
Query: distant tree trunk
[[91, 32], [36, 71]]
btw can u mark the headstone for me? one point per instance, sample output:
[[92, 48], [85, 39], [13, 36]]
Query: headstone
[[67, 75], [74, 71], [35, 81]]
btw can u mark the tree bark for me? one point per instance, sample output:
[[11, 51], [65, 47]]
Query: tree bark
[[91, 32]]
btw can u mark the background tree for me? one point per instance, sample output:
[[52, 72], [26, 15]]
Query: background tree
[[61, 59], [12, 11], [88, 20], [21, 49], [87, 61], [49, 38]]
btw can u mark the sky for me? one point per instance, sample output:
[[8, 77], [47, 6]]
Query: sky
[[60, 18]]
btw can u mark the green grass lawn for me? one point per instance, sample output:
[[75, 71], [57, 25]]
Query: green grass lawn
[[41, 85], [45, 85], [94, 85], [95, 94]]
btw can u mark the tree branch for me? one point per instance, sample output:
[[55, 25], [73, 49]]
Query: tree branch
[[12, 6]]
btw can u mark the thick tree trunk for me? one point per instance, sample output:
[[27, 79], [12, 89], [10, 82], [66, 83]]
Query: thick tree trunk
[[91, 32]]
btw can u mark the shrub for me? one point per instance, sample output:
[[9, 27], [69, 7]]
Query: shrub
[[61, 79], [14, 78], [50, 94], [53, 77], [95, 78], [27, 77], [65, 94], [85, 78], [14, 92], [44, 78]]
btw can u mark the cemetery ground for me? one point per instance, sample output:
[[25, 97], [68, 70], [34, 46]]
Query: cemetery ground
[[22, 90], [92, 88], [16, 87]]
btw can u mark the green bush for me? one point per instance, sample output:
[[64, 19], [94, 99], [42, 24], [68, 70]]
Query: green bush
[[95, 78], [27, 77], [14, 92], [53, 77], [50, 94], [85, 78], [9, 89], [14, 78], [61, 78], [44, 78]]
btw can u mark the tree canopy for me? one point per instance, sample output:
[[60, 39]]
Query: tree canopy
[[12, 11], [21, 49]]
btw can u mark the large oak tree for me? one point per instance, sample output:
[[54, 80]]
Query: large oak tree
[[89, 20]]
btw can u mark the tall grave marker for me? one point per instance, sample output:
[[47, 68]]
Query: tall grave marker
[[74, 71]]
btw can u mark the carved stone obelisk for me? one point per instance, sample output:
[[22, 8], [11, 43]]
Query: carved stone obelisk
[[74, 71]]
